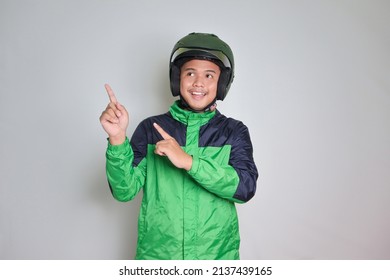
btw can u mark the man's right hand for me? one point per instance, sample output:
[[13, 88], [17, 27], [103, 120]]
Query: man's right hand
[[114, 119]]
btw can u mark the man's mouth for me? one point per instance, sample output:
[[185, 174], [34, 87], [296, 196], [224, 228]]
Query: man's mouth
[[198, 93]]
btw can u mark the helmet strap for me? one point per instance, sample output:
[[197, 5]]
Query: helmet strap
[[186, 106]]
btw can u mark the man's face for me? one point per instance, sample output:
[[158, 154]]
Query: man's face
[[198, 83]]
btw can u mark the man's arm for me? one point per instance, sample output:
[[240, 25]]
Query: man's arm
[[235, 181], [124, 179]]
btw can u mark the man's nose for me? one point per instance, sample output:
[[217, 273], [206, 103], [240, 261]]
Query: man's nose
[[199, 81]]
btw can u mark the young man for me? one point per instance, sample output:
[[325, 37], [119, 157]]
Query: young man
[[193, 163]]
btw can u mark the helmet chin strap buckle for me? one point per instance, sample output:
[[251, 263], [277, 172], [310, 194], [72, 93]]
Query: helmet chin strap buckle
[[211, 108]]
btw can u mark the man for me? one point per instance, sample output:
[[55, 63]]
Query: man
[[193, 163]]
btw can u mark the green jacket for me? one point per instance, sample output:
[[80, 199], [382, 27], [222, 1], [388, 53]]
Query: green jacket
[[186, 215]]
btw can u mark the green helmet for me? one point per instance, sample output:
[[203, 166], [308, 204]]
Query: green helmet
[[202, 46]]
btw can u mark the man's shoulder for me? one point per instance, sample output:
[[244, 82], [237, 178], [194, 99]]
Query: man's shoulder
[[165, 117], [146, 130], [221, 119]]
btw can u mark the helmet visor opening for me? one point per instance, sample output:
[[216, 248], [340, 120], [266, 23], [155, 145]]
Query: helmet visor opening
[[186, 52]]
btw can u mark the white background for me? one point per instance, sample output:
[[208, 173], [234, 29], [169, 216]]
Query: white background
[[312, 84]]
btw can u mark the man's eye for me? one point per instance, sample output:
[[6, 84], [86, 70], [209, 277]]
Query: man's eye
[[190, 74], [209, 76]]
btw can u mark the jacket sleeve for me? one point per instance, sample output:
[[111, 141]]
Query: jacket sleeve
[[124, 178], [235, 181]]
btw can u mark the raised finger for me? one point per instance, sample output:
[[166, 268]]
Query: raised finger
[[111, 94], [162, 132]]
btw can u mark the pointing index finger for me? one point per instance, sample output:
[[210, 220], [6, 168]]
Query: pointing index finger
[[111, 94], [162, 132]]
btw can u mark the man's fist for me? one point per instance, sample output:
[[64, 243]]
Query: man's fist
[[114, 119]]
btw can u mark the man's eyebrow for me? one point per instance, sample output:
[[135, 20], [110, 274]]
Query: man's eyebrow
[[193, 69]]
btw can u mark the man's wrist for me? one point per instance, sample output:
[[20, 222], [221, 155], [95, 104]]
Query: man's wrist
[[188, 164], [117, 140]]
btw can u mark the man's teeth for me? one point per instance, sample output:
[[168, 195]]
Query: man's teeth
[[198, 93]]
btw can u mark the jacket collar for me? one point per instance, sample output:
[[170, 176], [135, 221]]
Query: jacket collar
[[185, 116]]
